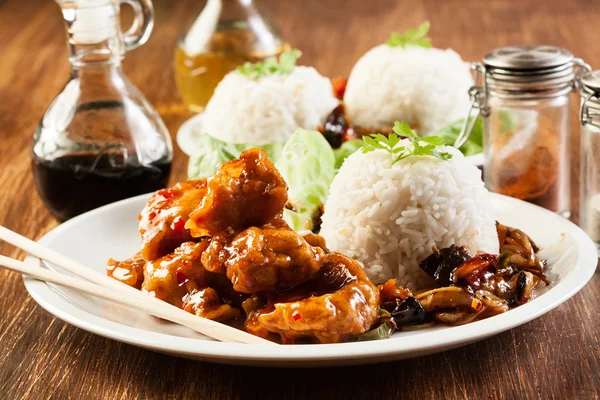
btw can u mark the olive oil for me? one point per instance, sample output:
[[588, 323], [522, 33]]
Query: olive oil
[[231, 45]]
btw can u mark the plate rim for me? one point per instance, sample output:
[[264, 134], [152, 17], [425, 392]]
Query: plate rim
[[60, 306], [183, 136]]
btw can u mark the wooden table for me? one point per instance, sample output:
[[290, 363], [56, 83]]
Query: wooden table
[[555, 356]]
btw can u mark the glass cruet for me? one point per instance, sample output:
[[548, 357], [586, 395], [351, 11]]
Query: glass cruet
[[225, 35], [100, 140]]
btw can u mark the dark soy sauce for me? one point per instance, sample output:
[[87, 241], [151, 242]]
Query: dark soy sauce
[[74, 184]]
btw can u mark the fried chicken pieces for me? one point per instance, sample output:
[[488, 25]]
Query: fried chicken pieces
[[265, 259], [219, 248], [337, 302], [163, 220], [243, 193]]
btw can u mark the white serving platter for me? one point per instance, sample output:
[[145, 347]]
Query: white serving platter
[[111, 231]]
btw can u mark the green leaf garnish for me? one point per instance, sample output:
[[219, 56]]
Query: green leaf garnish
[[411, 37], [383, 331], [287, 60], [426, 146], [345, 150], [285, 65], [474, 145], [441, 155], [403, 129], [438, 141]]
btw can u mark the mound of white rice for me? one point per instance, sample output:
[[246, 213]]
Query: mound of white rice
[[427, 88], [269, 109], [389, 217]]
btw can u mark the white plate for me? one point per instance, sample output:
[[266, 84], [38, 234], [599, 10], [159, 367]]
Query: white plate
[[111, 231], [188, 133]]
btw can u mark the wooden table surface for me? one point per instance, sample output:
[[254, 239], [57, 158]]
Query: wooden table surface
[[555, 356]]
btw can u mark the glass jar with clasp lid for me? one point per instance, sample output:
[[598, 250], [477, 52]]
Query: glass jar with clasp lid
[[523, 94], [100, 140], [589, 117]]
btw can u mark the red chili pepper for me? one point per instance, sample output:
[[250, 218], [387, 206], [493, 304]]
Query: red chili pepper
[[296, 316], [181, 277], [167, 193], [178, 225], [474, 270], [339, 87], [287, 340], [523, 299]]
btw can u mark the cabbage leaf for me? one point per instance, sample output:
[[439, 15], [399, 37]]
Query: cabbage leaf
[[474, 145], [345, 150], [307, 164], [210, 153]]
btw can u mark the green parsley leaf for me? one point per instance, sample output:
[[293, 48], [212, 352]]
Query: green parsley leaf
[[427, 146], [403, 129], [371, 143], [442, 155], [420, 150], [411, 37], [438, 141], [287, 60], [285, 65]]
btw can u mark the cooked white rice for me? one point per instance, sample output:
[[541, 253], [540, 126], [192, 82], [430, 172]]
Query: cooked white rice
[[427, 88], [270, 109], [389, 217]]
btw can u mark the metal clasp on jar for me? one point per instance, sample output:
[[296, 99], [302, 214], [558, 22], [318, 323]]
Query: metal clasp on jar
[[581, 69], [586, 116], [478, 96], [587, 113]]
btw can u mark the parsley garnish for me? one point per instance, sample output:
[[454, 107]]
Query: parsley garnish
[[418, 146], [411, 37], [285, 65]]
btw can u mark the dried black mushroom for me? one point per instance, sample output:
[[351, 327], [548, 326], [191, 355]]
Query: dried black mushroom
[[441, 263], [407, 312], [335, 127]]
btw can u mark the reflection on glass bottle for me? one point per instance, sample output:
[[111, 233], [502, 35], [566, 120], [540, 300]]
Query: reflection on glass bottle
[[227, 34], [100, 140]]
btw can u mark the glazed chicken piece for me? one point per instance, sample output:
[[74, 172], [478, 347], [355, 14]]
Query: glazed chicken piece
[[316, 241], [168, 277], [266, 259], [338, 302], [243, 193], [162, 221], [129, 271], [207, 303], [180, 280]]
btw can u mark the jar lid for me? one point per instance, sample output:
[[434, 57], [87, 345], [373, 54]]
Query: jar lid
[[591, 81], [537, 71], [527, 57]]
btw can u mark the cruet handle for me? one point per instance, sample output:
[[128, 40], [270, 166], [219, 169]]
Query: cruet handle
[[142, 25]]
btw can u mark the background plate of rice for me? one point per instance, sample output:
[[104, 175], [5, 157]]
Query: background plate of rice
[[112, 231], [187, 137]]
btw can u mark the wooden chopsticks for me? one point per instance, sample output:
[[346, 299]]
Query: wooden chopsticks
[[104, 287]]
